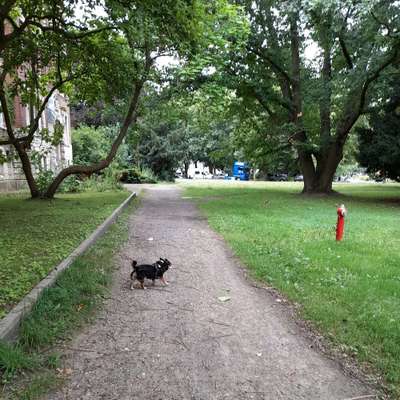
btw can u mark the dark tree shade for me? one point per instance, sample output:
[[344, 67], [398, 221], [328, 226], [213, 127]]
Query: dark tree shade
[[379, 145]]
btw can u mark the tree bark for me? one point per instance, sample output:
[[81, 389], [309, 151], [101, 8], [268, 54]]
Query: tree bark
[[186, 169], [27, 168]]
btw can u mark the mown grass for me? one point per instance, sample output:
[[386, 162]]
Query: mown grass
[[350, 289], [30, 367], [35, 235]]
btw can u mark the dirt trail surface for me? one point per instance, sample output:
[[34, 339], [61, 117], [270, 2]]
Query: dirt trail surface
[[181, 341]]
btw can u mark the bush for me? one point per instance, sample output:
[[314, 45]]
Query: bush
[[101, 183], [136, 175], [71, 184], [44, 180]]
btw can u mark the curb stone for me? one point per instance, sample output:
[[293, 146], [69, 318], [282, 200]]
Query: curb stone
[[9, 325]]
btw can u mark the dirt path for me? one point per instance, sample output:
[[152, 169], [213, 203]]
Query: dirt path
[[181, 342]]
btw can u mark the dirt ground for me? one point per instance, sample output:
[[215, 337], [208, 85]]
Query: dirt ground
[[181, 341]]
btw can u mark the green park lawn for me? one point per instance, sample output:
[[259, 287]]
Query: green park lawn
[[349, 289], [35, 235]]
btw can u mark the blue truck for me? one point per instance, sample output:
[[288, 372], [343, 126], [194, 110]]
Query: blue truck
[[241, 171]]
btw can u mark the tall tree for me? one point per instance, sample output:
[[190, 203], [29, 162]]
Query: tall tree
[[356, 44], [117, 63]]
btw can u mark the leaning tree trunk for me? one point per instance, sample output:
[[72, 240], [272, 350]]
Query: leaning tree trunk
[[130, 118]]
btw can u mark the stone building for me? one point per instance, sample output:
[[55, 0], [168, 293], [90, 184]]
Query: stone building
[[51, 157]]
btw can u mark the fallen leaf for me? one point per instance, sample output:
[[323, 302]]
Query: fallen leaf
[[64, 371], [224, 298]]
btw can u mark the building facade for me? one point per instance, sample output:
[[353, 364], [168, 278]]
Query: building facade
[[49, 157]]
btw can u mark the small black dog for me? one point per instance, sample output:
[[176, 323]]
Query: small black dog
[[150, 271]]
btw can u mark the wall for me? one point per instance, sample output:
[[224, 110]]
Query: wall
[[53, 157]]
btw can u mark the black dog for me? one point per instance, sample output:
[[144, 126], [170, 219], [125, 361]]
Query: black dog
[[150, 271]]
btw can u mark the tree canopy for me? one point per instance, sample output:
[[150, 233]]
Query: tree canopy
[[106, 58], [281, 84]]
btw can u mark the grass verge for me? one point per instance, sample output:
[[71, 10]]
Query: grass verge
[[350, 290], [36, 235], [30, 368]]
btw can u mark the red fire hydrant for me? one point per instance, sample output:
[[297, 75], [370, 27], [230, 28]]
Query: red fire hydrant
[[341, 212]]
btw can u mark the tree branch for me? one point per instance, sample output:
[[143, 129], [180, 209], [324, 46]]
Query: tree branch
[[8, 142], [391, 34], [33, 20], [35, 123], [345, 52], [6, 114], [375, 76], [277, 68], [351, 113]]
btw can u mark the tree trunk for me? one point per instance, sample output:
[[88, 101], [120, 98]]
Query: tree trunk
[[19, 146], [321, 181], [185, 170], [27, 168]]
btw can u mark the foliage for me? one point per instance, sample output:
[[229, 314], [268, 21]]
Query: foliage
[[27, 371], [106, 181], [72, 184], [44, 179], [13, 359], [350, 289], [47, 232], [379, 144], [305, 74], [90, 145], [180, 126], [108, 59], [136, 175]]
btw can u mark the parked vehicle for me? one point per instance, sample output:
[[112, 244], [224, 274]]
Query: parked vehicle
[[241, 171], [298, 178], [277, 177]]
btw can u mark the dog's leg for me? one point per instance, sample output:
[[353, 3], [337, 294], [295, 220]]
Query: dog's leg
[[142, 285], [164, 281], [154, 282]]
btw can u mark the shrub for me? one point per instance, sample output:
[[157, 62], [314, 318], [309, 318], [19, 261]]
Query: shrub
[[71, 184], [137, 175], [44, 179]]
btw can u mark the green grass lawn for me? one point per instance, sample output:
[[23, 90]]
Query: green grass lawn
[[35, 235], [349, 289], [33, 365]]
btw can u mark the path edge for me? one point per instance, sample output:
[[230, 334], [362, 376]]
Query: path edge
[[10, 324]]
